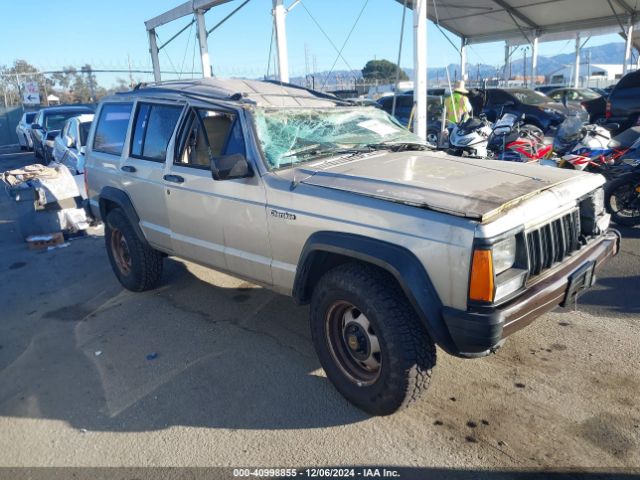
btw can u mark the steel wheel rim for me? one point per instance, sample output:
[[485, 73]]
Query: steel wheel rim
[[120, 250], [432, 138], [353, 343]]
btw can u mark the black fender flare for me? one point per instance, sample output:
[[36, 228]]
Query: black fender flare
[[122, 200], [401, 263]]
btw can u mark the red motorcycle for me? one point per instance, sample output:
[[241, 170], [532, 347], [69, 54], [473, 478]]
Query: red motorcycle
[[513, 142]]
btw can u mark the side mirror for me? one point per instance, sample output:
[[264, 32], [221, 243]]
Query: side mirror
[[229, 167], [68, 142], [36, 126]]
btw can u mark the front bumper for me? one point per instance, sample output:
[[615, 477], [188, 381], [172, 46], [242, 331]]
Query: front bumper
[[477, 332]]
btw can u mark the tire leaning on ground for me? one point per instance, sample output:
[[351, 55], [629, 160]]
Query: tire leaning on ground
[[137, 265], [623, 189], [369, 340]]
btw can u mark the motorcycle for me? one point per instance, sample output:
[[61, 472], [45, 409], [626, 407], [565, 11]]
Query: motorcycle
[[512, 142], [622, 198], [469, 137], [597, 152]]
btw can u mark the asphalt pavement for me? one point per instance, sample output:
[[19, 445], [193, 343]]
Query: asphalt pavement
[[208, 370]]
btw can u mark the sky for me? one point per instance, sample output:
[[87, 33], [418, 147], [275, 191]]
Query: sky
[[111, 35]]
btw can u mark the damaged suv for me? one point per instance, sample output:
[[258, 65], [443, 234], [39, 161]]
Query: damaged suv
[[397, 247]]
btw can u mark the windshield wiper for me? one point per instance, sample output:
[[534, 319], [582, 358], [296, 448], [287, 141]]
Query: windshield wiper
[[400, 146]]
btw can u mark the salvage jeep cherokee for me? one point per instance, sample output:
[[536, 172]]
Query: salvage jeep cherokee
[[397, 247]]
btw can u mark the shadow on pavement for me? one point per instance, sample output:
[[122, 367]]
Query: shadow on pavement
[[189, 353]]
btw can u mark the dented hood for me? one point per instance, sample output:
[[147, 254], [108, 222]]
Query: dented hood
[[473, 188]]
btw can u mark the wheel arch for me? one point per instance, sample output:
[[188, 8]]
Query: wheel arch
[[110, 198], [326, 250]]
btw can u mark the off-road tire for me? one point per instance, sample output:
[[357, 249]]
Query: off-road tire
[[407, 352], [145, 262], [610, 189]]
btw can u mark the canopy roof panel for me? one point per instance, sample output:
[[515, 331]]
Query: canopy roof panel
[[517, 21]]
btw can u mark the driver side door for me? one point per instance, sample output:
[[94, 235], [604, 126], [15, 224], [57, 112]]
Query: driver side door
[[219, 223]]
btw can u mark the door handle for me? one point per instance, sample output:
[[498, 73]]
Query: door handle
[[174, 178], [128, 168]]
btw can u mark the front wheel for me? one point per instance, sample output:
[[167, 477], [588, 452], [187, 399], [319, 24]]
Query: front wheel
[[369, 339], [622, 199]]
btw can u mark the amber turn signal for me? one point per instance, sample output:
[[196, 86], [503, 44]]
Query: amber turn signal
[[481, 284]]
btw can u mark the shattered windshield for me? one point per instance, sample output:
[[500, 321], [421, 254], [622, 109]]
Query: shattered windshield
[[291, 136]]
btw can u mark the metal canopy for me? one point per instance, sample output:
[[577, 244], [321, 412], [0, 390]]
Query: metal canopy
[[519, 21]]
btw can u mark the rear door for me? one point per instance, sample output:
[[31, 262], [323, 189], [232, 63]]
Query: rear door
[[143, 167], [220, 223]]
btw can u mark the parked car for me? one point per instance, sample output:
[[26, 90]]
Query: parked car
[[547, 88], [538, 109], [596, 107], [600, 91], [23, 130], [396, 247], [572, 95], [623, 104], [69, 146], [47, 125], [404, 105]]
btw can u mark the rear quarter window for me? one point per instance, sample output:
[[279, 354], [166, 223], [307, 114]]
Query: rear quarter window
[[111, 129]]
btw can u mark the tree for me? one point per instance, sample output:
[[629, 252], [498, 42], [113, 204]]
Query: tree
[[382, 70]]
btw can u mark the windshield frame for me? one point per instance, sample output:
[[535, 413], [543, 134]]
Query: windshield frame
[[256, 139]]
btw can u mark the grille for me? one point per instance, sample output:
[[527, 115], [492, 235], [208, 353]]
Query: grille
[[553, 242]]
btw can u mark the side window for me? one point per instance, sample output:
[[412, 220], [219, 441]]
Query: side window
[[112, 128], [500, 98], [630, 80], [209, 133], [152, 131]]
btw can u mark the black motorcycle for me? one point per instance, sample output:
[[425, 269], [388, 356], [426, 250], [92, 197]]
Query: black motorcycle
[[622, 198]]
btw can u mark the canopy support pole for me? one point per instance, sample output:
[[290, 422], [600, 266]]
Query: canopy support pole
[[627, 50], [279, 13], [534, 61], [507, 56], [576, 70], [420, 67], [155, 60], [463, 59], [204, 46]]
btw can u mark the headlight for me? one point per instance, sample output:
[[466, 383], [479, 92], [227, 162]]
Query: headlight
[[504, 255]]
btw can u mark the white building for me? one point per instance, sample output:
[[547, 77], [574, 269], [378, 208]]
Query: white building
[[591, 75]]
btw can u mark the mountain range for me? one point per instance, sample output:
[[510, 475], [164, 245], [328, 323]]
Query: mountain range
[[604, 54]]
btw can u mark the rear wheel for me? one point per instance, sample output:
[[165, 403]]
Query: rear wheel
[[137, 265], [622, 200], [369, 339]]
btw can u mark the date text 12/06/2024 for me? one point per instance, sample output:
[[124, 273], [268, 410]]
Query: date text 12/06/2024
[[362, 472]]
